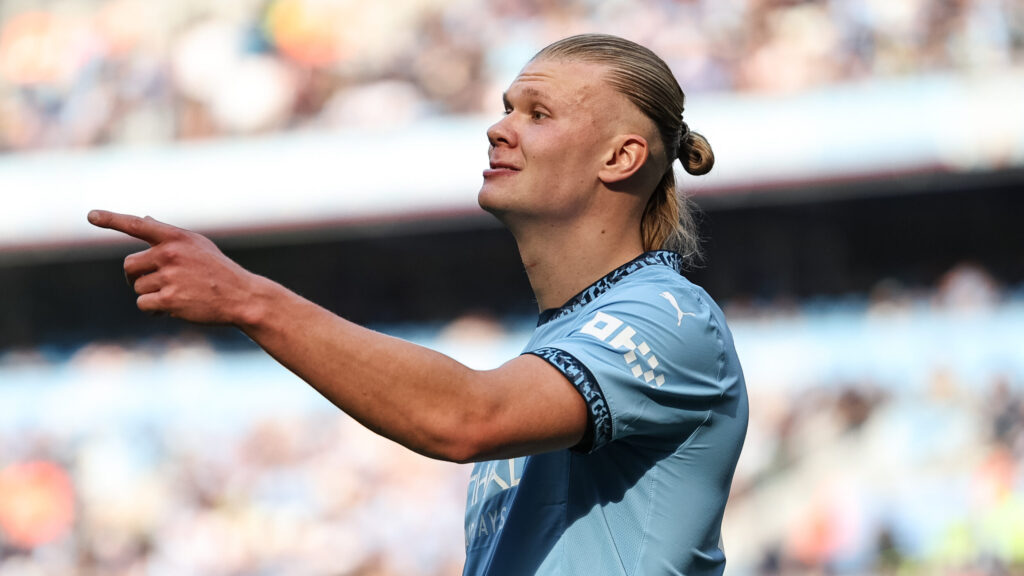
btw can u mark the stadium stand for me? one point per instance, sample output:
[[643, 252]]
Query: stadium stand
[[871, 270]]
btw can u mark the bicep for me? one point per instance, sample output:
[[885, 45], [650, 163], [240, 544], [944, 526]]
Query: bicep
[[533, 408]]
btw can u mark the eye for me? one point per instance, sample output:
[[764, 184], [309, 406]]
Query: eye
[[538, 115]]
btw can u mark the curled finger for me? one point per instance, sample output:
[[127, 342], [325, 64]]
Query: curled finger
[[139, 264], [151, 303], [148, 283]]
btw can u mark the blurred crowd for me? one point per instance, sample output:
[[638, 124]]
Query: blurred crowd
[[840, 474], [854, 478], [312, 496], [875, 472], [81, 73]]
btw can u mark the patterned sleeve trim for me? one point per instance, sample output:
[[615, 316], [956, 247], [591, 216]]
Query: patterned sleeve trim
[[599, 420]]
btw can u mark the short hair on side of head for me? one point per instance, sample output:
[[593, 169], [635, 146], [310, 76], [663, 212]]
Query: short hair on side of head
[[646, 80]]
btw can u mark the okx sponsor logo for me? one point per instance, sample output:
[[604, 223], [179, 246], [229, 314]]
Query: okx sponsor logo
[[638, 355]]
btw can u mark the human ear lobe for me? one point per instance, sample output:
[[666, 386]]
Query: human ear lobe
[[626, 159]]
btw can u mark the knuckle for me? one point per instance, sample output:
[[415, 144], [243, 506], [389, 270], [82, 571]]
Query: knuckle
[[170, 253], [170, 278]]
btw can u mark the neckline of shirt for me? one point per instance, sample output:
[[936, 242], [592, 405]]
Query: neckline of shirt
[[605, 283]]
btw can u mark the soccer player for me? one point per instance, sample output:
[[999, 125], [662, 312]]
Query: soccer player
[[608, 447]]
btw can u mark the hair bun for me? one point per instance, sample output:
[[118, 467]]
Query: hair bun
[[695, 152]]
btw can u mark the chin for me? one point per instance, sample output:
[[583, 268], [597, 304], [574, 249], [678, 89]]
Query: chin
[[489, 200]]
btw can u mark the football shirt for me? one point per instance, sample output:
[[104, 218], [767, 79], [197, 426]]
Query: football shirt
[[645, 490]]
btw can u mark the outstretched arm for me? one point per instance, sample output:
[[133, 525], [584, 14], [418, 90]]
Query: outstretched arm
[[413, 395]]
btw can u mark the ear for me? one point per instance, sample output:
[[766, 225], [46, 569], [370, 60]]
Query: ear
[[625, 159]]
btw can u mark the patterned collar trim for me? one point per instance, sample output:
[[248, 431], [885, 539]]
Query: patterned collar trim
[[589, 294]]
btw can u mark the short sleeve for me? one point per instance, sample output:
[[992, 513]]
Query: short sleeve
[[648, 364]]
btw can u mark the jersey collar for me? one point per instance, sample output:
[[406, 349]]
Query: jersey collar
[[656, 257]]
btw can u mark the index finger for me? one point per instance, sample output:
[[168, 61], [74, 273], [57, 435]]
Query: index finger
[[146, 229]]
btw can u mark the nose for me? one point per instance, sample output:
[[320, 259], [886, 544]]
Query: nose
[[501, 132]]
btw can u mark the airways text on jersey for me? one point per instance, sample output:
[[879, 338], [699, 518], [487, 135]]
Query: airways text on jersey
[[638, 357], [489, 490]]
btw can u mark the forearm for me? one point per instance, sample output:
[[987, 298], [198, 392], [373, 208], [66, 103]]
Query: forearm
[[413, 395]]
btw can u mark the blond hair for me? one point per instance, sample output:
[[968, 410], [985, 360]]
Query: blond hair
[[640, 75]]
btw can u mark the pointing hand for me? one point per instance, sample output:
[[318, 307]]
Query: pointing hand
[[182, 274]]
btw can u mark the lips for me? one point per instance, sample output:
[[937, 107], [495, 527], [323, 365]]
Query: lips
[[498, 168], [503, 166]]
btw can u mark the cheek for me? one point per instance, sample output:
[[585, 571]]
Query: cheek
[[570, 165]]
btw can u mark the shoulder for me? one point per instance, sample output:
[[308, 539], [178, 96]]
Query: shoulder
[[665, 319], [646, 303], [658, 297]]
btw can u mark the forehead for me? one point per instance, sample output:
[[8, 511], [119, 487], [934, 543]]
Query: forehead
[[572, 81]]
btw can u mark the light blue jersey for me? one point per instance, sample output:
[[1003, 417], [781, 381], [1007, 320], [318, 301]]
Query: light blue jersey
[[644, 493]]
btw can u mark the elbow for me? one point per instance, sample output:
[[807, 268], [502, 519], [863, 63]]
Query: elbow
[[465, 435], [458, 455], [467, 427], [461, 444]]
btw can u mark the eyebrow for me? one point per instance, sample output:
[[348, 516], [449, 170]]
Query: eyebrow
[[527, 91]]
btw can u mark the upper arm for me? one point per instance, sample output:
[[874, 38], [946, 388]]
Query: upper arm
[[530, 407]]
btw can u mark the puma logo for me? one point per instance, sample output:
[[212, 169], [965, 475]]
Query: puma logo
[[671, 300]]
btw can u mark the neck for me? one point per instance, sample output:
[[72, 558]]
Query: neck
[[562, 260]]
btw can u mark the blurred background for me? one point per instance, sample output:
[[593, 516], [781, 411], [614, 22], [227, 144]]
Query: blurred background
[[862, 232]]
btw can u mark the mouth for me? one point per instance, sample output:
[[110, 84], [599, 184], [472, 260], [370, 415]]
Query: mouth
[[503, 166], [499, 168]]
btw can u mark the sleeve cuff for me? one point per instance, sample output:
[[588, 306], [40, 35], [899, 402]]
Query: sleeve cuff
[[599, 420]]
